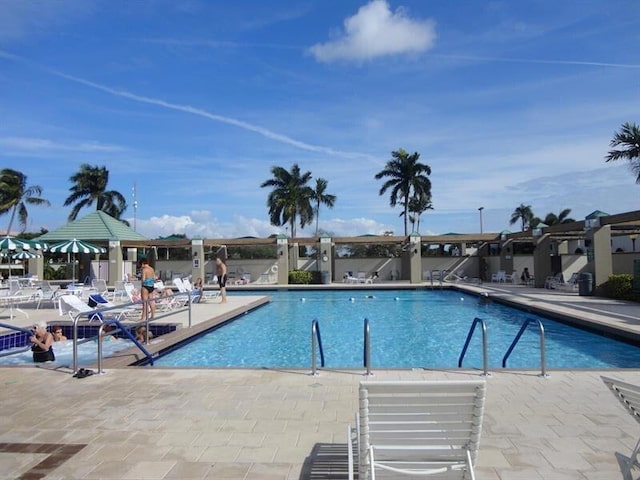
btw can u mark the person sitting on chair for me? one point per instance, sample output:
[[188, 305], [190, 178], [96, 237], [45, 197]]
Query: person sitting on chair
[[525, 277]]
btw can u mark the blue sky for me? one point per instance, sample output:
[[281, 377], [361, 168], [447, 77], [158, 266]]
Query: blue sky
[[194, 101]]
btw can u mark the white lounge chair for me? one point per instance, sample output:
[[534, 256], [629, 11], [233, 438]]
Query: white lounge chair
[[629, 396], [570, 285], [511, 277], [206, 294], [72, 305], [423, 428], [499, 277]]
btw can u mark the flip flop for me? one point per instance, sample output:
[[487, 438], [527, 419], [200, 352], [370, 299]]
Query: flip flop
[[79, 373]]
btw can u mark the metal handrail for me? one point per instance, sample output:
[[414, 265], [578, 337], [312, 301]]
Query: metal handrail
[[16, 328], [367, 348], [316, 344], [127, 333], [122, 306], [543, 351], [485, 357]]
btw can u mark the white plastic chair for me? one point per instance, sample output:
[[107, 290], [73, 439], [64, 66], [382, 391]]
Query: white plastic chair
[[422, 428]]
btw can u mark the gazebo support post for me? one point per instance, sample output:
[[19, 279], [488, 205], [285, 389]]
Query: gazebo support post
[[115, 262]]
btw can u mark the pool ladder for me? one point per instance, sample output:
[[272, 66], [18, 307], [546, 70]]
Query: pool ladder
[[543, 350], [316, 347], [485, 357]]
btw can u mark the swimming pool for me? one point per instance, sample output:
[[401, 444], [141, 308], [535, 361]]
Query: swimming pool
[[87, 353], [409, 329]]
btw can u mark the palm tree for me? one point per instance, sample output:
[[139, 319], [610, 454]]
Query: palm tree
[[417, 206], [523, 214], [629, 138], [16, 195], [319, 196], [563, 217], [406, 177], [290, 197], [90, 185]]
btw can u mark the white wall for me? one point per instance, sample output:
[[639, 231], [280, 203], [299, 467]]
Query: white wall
[[522, 261], [623, 262]]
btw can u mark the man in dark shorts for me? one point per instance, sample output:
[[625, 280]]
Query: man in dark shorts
[[221, 272]]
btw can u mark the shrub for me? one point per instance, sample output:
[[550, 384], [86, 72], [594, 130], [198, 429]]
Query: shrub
[[300, 277], [620, 287]]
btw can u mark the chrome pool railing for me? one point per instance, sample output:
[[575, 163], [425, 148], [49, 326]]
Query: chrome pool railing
[[543, 351], [367, 348], [485, 357], [316, 345]]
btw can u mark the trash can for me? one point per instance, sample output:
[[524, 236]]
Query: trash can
[[585, 284], [325, 277]]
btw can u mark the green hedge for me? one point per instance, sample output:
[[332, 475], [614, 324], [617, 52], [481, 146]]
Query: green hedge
[[620, 287], [300, 277], [304, 277]]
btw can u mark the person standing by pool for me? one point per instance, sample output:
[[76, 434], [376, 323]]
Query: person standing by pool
[[42, 344], [148, 281], [221, 272]]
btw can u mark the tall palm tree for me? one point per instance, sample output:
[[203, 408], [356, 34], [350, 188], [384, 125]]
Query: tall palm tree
[[320, 197], [417, 206], [290, 197], [563, 217], [15, 195], [406, 177], [90, 185], [522, 214], [629, 139]]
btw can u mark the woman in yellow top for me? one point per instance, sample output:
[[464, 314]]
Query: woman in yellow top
[[148, 281]]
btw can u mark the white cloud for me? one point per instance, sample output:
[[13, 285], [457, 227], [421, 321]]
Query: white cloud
[[31, 145], [201, 223], [376, 31], [354, 226]]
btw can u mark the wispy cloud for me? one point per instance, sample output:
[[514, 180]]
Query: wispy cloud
[[216, 44], [24, 19], [265, 132], [478, 58], [31, 145], [376, 31]]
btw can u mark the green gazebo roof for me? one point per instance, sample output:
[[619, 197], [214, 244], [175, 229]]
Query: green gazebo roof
[[97, 226]]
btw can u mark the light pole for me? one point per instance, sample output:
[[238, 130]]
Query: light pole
[[633, 238], [480, 210]]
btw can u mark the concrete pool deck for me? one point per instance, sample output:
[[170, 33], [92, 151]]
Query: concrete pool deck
[[145, 423]]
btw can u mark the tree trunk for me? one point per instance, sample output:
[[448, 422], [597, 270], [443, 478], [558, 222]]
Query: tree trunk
[[317, 217], [292, 222], [13, 216], [406, 214]]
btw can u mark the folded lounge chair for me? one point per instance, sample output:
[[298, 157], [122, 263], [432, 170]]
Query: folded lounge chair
[[72, 306], [629, 396], [426, 428]]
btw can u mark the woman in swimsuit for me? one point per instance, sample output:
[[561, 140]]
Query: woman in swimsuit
[[148, 281], [42, 344], [221, 272]]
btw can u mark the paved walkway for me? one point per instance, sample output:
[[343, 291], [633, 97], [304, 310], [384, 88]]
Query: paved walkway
[[264, 424]]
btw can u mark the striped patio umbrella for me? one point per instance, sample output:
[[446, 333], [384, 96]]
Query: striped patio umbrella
[[24, 255], [13, 243], [75, 246]]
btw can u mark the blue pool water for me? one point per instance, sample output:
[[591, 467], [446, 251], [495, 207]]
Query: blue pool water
[[415, 328]]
